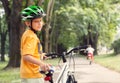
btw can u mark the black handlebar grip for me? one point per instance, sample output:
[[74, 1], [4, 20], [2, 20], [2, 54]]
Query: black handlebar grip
[[63, 58]]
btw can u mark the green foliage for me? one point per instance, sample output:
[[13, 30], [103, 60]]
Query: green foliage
[[3, 30], [116, 46], [75, 18], [68, 39], [102, 17], [3, 24], [67, 35]]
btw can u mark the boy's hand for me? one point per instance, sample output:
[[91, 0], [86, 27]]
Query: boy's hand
[[43, 57], [45, 67]]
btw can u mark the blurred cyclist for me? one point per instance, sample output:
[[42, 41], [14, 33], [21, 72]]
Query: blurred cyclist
[[90, 52]]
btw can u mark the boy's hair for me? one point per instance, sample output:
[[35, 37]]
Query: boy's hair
[[32, 12]]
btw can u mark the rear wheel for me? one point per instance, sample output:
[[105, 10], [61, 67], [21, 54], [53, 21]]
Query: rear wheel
[[90, 62]]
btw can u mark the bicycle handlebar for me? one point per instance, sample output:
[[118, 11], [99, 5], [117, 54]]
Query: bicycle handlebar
[[76, 48], [62, 55]]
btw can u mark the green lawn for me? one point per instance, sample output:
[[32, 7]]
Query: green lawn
[[110, 61], [9, 75], [13, 75]]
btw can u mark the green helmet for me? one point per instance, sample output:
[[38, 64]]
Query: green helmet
[[32, 12]]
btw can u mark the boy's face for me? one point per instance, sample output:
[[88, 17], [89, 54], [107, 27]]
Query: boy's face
[[36, 24]]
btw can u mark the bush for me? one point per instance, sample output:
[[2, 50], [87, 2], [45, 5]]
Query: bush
[[116, 46]]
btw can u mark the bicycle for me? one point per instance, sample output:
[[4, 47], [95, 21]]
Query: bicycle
[[66, 75], [90, 59]]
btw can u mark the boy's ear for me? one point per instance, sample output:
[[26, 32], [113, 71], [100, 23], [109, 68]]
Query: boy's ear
[[27, 23]]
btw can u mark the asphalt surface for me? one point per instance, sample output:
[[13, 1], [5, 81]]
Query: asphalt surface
[[95, 73]]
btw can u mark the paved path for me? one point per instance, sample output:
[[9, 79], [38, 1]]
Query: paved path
[[94, 73]]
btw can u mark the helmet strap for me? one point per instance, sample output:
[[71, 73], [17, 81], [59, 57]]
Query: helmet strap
[[31, 27]]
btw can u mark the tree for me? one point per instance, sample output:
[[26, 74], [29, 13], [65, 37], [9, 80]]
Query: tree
[[98, 20], [91, 21], [60, 33], [12, 12], [49, 5], [115, 46]]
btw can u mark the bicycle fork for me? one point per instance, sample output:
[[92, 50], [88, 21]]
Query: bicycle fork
[[71, 78]]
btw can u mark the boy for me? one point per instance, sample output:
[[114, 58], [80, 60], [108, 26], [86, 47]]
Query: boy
[[31, 50]]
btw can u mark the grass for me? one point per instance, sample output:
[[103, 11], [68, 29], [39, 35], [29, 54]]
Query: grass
[[110, 61], [53, 62], [9, 75], [12, 75]]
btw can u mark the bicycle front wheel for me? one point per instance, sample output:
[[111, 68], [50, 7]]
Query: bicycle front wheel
[[71, 79]]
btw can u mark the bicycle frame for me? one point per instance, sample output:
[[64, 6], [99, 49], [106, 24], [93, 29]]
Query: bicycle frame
[[63, 76]]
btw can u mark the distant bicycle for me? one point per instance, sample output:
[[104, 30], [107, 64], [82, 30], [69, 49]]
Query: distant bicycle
[[90, 52], [89, 57]]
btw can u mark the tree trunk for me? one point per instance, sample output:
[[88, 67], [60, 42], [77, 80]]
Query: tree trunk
[[93, 38], [14, 34], [48, 22], [39, 2], [46, 39], [96, 36]]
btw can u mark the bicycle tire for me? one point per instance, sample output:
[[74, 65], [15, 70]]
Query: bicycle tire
[[71, 79]]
